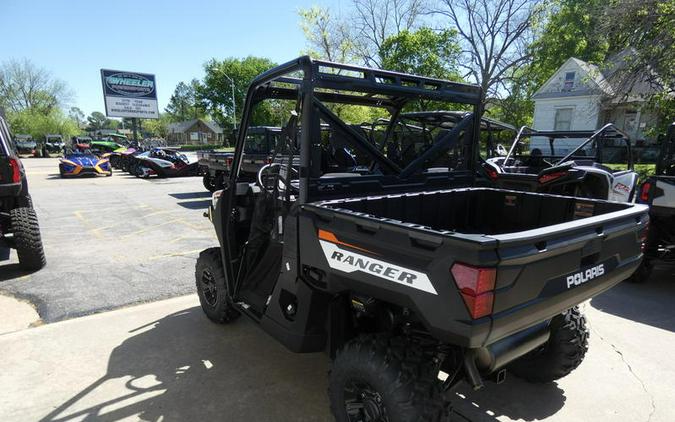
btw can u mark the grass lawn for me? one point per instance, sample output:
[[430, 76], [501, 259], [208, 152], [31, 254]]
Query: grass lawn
[[644, 170]]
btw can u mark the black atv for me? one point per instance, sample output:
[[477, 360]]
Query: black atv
[[411, 275], [18, 223]]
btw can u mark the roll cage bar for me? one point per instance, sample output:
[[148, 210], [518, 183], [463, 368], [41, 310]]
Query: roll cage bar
[[326, 82], [608, 131]]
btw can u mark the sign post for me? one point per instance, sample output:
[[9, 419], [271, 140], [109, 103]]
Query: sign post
[[129, 94]]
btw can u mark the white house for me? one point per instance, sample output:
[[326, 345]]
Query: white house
[[580, 96]]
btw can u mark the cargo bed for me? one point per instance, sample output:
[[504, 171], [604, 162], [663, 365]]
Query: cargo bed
[[536, 242]]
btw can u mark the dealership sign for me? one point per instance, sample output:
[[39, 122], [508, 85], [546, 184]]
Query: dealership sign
[[129, 94]]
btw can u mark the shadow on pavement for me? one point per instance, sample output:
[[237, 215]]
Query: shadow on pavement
[[12, 271], [648, 303], [191, 195], [201, 204], [183, 367], [515, 399]]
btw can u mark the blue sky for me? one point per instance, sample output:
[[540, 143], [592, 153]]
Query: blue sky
[[171, 38]]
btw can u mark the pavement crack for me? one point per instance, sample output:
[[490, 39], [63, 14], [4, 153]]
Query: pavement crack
[[630, 369]]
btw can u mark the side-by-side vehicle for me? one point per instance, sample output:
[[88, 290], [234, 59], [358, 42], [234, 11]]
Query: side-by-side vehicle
[[591, 164], [413, 275]]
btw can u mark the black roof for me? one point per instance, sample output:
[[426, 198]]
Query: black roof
[[337, 82]]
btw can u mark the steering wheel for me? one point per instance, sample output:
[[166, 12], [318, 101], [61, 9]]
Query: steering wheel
[[264, 178]]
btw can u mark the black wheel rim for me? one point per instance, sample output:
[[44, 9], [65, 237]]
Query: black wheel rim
[[209, 290], [363, 403]]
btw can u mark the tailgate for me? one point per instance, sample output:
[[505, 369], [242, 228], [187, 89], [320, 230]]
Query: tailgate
[[544, 271]]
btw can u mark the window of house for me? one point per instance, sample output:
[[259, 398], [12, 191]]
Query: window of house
[[563, 119], [569, 81]]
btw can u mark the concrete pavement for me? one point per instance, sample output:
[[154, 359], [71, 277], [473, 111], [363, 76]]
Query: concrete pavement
[[166, 361], [16, 314], [110, 241]]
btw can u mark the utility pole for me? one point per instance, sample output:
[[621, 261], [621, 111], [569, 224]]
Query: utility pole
[[134, 125], [234, 105]]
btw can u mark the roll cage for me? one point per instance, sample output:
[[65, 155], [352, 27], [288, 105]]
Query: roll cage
[[313, 83], [607, 132]]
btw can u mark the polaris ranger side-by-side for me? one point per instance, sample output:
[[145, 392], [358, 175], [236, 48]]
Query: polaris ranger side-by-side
[[18, 223], [404, 272]]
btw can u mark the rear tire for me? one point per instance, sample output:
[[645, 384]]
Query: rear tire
[[211, 287], [562, 354], [24, 225], [382, 378]]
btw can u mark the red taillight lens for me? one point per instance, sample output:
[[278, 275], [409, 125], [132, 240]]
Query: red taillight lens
[[15, 164], [491, 173], [476, 286], [479, 306], [228, 161], [644, 191], [552, 176]]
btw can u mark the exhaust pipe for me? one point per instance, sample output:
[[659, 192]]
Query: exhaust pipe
[[505, 351]]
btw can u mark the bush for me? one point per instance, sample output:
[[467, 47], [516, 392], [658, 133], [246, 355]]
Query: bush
[[38, 124]]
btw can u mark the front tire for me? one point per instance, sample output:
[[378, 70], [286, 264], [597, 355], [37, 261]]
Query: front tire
[[27, 238], [562, 354], [211, 287], [382, 378], [209, 183]]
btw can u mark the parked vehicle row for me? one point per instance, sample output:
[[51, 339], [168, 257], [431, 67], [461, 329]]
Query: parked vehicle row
[[156, 162]]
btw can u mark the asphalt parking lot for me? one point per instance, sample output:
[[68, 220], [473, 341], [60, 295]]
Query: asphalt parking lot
[[112, 242]]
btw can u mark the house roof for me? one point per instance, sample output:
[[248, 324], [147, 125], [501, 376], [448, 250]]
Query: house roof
[[598, 83], [181, 127], [602, 81]]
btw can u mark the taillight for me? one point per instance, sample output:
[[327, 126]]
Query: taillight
[[15, 164], [644, 192], [476, 285], [552, 176], [491, 173], [228, 161]]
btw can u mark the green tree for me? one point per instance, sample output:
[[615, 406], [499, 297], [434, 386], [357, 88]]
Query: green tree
[[214, 94], [423, 52], [494, 35], [183, 104], [77, 115], [327, 35], [646, 29], [568, 30], [158, 127], [23, 85], [38, 123], [97, 121]]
